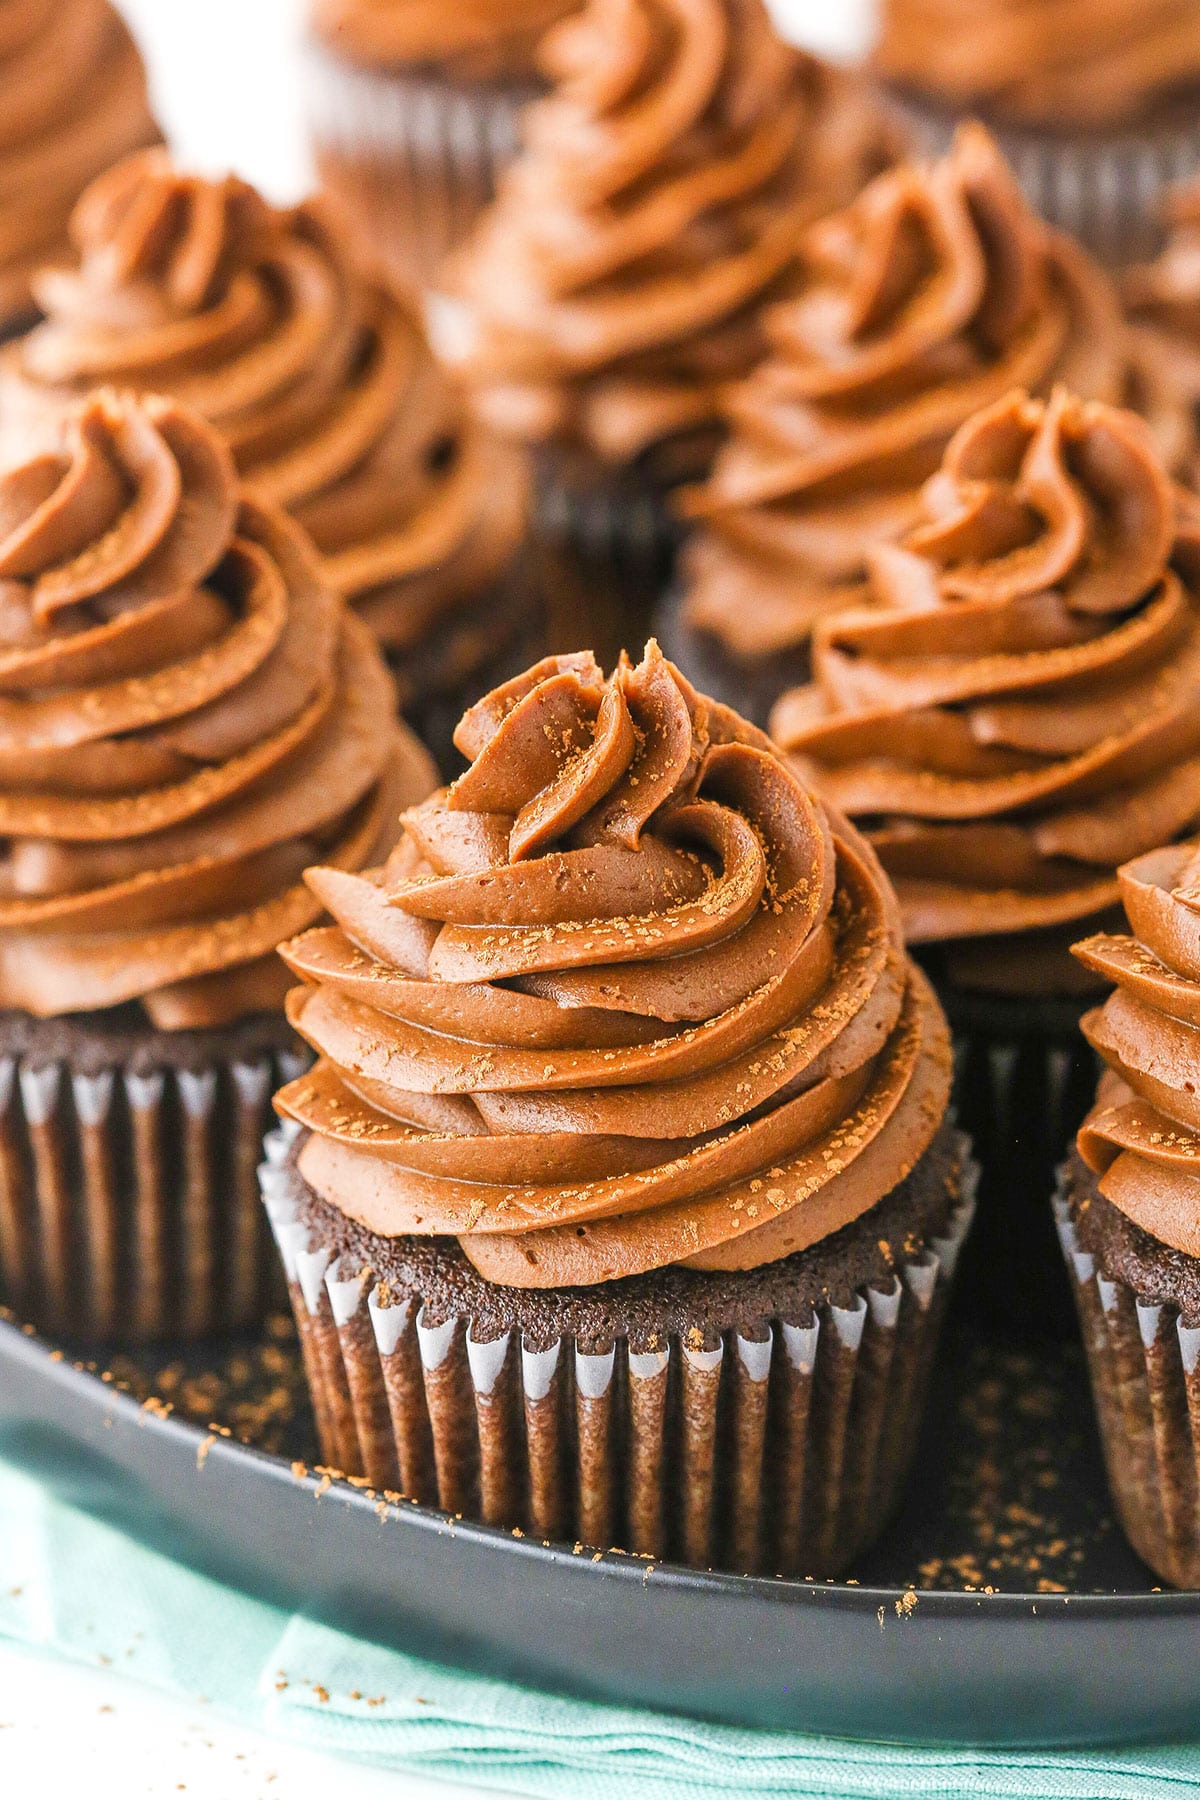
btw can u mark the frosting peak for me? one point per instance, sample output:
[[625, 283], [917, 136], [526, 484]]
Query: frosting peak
[[1143, 1135], [1018, 714], [934, 294], [625, 995], [1057, 63], [614, 285], [320, 381], [72, 99], [186, 718]]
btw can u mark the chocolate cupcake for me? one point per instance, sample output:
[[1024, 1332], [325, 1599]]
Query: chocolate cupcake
[[322, 383], [188, 717], [616, 284], [1129, 1210], [1095, 107], [1017, 715], [621, 1202], [935, 293], [73, 99], [413, 107]]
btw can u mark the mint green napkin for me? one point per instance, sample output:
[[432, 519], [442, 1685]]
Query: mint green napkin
[[72, 1583]]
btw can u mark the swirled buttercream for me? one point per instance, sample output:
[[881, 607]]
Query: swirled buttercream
[[1061, 64], [188, 717], [1142, 1138], [616, 282], [479, 40], [1020, 713], [320, 381], [932, 295], [625, 995], [72, 99]]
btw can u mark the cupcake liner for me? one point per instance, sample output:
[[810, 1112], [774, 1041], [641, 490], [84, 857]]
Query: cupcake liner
[[1024, 1077], [781, 1450], [612, 537], [1105, 188], [413, 158], [128, 1195], [1144, 1364]]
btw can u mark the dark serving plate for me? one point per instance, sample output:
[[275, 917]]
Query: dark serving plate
[[1003, 1606]]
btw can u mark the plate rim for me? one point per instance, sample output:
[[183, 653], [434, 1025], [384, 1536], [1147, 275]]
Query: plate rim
[[65, 1369]]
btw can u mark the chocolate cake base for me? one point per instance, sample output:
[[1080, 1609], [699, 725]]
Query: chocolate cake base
[[754, 1421], [128, 1197], [1139, 1312]]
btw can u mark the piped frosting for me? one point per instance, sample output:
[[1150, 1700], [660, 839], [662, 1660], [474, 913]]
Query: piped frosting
[[188, 717], [1062, 64], [72, 100], [625, 995], [475, 40], [1018, 714], [320, 380], [934, 294], [614, 286], [1142, 1138]]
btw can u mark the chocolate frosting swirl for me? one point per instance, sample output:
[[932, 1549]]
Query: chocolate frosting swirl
[[1019, 714], [479, 40], [625, 995], [934, 294], [1143, 1136], [1055, 63], [72, 99], [320, 380], [615, 283], [188, 717]]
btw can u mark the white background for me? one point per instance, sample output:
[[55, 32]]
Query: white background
[[224, 77]]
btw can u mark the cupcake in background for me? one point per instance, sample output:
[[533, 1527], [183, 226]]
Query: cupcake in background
[[621, 1204], [189, 718], [1162, 298], [413, 108], [1095, 106], [1016, 716], [935, 293], [1128, 1209], [617, 283], [322, 383], [72, 100]]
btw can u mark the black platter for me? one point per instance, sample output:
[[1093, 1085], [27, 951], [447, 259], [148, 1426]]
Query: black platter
[[1003, 1606]]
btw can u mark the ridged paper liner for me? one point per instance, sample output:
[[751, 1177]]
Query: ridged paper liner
[[1024, 1078], [412, 158], [613, 536], [783, 1453], [1144, 1364], [129, 1201], [1105, 188]]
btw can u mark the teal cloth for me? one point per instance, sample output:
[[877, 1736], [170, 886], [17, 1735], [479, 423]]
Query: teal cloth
[[72, 1583]]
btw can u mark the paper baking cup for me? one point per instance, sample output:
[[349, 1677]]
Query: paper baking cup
[[612, 534], [412, 159], [1024, 1078], [1105, 188], [1144, 1364], [128, 1200], [750, 688], [782, 1452]]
